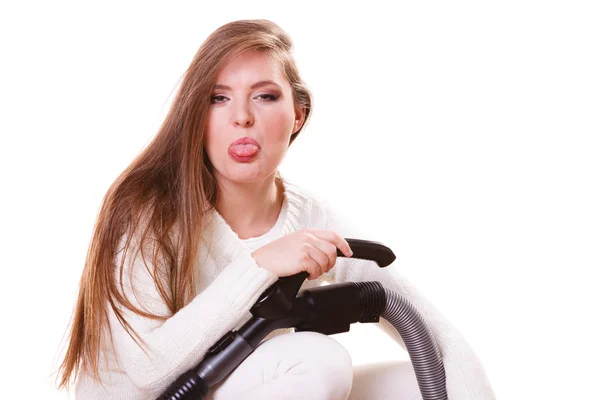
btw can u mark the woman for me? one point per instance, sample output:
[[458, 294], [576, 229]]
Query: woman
[[201, 223]]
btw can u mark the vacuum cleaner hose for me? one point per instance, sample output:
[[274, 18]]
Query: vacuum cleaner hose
[[424, 352], [335, 307], [420, 343]]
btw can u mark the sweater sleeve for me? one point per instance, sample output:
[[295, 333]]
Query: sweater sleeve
[[177, 344], [465, 376]]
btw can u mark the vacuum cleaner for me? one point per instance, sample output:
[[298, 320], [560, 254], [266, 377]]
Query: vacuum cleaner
[[328, 310]]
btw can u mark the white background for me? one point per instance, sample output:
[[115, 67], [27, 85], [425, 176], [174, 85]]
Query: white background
[[464, 135]]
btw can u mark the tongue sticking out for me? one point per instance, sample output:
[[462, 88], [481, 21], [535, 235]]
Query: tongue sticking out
[[243, 150]]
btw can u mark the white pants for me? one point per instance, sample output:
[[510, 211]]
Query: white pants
[[309, 365]]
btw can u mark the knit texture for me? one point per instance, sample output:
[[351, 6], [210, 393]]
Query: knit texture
[[228, 283]]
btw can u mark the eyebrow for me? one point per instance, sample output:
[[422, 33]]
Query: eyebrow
[[254, 86]]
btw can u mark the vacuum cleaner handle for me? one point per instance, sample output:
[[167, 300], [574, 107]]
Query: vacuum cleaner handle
[[278, 299], [369, 250]]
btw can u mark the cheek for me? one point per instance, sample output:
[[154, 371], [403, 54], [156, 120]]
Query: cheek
[[279, 126], [214, 140]]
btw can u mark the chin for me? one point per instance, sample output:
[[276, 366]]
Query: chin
[[246, 175]]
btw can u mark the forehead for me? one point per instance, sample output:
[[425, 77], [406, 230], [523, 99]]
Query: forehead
[[250, 67]]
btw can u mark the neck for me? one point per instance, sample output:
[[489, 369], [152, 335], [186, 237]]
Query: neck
[[250, 209]]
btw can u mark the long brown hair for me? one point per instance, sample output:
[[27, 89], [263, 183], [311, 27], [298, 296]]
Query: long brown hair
[[169, 187]]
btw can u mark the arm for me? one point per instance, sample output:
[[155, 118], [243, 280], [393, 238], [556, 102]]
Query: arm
[[465, 377], [178, 343]]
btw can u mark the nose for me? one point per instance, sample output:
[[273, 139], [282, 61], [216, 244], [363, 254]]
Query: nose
[[242, 115]]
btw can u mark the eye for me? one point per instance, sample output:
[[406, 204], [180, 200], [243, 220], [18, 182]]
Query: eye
[[218, 99], [268, 97]]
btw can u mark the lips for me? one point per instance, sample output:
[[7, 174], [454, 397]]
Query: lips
[[245, 140], [244, 149]]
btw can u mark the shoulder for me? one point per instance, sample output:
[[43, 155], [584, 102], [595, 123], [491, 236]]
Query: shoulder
[[315, 211], [303, 197], [304, 208]]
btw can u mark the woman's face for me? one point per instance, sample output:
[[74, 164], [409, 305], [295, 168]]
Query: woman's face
[[251, 119]]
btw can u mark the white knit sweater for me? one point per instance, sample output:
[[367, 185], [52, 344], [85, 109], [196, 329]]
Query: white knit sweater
[[228, 283]]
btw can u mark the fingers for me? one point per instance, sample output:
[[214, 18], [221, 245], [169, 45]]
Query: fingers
[[334, 238], [318, 263], [328, 251], [322, 251]]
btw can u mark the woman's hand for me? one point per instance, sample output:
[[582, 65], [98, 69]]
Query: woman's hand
[[310, 250]]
